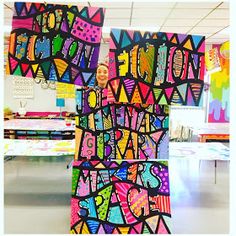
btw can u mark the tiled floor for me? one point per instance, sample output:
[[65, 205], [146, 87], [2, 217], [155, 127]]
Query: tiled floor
[[37, 196]]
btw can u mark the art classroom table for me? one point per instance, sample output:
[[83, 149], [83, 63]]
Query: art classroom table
[[213, 151], [212, 132], [39, 129]]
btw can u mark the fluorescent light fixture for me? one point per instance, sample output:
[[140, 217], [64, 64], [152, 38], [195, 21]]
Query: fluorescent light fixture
[[106, 29], [7, 28]]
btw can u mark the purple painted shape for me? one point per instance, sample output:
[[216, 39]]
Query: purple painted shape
[[163, 174], [163, 151], [196, 59], [94, 58], [182, 37], [79, 80]]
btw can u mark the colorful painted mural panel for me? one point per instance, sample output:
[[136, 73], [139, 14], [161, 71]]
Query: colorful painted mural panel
[[219, 92], [120, 197], [156, 68], [55, 42], [118, 130]]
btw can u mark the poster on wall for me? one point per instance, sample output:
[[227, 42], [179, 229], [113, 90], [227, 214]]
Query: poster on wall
[[212, 61], [156, 68], [219, 92], [120, 197], [107, 131], [55, 42], [23, 87]]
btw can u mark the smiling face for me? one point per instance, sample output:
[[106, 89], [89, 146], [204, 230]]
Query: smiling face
[[102, 76]]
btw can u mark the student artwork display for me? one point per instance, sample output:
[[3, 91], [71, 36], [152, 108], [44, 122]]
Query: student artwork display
[[212, 61], [107, 131], [65, 90], [156, 68], [55, 42], [219, 92], [120, 197], [23, 87]]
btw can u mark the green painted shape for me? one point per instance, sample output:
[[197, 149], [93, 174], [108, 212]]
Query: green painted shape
[[100, 146], [46, 67], [146, 230], [17, 71], [75, 177], [70, 18], [84, 122], [163, 100], [57, 44], [166, 122], [73, 49], [157, 92], [102, 202]]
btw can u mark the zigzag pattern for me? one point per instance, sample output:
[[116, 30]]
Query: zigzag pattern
[[156, 68]]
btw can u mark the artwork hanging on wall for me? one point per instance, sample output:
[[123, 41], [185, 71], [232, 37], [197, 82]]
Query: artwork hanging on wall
[[55, 42], [120, 197], [23, 87], [65, 90], [219, 92], [156, 68], [106, 131], [212, 61]]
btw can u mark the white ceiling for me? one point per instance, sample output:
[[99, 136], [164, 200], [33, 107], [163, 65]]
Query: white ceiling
[[205, 18]]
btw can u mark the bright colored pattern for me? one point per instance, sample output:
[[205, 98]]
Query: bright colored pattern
[[212, 60], [119, 131], [219, 93], [55, 42], [65, 90], [120, 198], [156, 68]]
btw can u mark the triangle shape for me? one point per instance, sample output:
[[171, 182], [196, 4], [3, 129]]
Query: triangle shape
[[162, 228], [125, 40], [174, 40], [115, 215], [13, 63], [157, 93], [152, 223], [100, 166], [190, 100], [45, 68], [182, 90], [65, 25], [169, 92], [84, 12], [18, 7], [33, 10], [121, 173], [188, 44], [29, 73], [24, 67], [156, 136], [144, 88], [150, 99], [137, 36], [124, 230], [116, 231], [101, 230], [108, 228], [169, 36], [61, 66], [163, 100], [115, 84], [98, 16], [123, 96], [85, 229], [35, 68], [202, 47], [176, 99], [136, 96], [87, 76], [196, 40], [91, 11], [116, 35], [196, 89], [17, 71], [138, 227], [129, 86], [181, 37], [52, 73], [66, 77], [93, 226]]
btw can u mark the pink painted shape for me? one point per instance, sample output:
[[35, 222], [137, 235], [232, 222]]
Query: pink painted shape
[[101, 230], [74, 211], [122, 190], [13, 63], [162, 229], [85, 31], [169, 91], [202, 47], [92, 11], [88, 141], [138, 227], [156, 136], [169, 35], [131, 34], [112, 66], [150, 99], [170, 77], [190, 72], [29, 73]]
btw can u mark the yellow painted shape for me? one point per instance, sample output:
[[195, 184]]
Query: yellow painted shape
[[35, 67], [188, 45], [78, 135], [61, 66], [123, 96], [122, 143], [92, 99], [124, 230], [124, 66]]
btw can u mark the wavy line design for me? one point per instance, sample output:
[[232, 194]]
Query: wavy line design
[[55, 42], [128, 197], [118, 130]]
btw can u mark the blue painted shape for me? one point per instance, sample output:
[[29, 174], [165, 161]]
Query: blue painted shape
[[115, 215], [125, 40], [93, 226], [116, 33], [66, 76], [60, 102], [196, 40]]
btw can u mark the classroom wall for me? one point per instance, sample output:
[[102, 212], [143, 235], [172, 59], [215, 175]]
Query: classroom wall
[[44, 99]]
